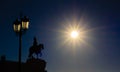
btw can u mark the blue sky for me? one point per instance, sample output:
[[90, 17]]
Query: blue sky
[[49, 19]]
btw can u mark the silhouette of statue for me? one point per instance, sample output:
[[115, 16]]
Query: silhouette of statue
[[35, 49], [35, 64]]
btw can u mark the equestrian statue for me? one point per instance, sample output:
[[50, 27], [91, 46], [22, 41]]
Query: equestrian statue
[[35, 49]]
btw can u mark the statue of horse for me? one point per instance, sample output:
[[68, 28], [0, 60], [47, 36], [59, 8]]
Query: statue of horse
[[36, 49]]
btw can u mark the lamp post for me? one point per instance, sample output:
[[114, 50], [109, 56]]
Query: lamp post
[[20, 26]]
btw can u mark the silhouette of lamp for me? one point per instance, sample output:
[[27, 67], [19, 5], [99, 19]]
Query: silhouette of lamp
[[20, 26]]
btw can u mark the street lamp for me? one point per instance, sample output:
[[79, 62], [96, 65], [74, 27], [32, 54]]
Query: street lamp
[[20, 26]]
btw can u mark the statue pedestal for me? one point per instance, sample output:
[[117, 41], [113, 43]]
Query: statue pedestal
[[36, 65]]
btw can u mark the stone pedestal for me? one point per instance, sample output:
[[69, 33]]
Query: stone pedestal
[[36, 65]]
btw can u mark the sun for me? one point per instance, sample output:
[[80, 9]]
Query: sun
[[74, 34]]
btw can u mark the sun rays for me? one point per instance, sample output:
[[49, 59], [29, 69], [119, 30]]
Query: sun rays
[[74, 33]]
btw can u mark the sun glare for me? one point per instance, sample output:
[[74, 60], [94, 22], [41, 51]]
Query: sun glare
[[74, 34]]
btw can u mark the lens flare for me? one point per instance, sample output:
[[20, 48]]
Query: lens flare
[[74, 33]]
